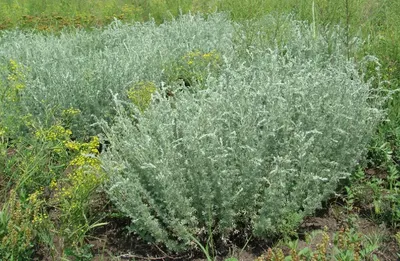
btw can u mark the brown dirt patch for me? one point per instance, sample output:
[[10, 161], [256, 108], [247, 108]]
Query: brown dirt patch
[[114, 243]]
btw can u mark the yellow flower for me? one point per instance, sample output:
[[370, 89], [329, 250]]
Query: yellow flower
[[207, 55], [53, 184], [55, 132], [70, 112], [140, 94], [13, 65], [39, 218], [72, 145], [34, 196], [78, 161]]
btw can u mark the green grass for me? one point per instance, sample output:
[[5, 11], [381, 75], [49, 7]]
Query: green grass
[[48, 15], [362, 13]]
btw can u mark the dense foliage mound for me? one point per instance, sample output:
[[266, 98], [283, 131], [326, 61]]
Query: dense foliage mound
[[82, 69], [258, 145]]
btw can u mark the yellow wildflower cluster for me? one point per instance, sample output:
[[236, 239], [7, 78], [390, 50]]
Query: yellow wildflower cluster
[[92, 146], [67, 191], [140, 94], [70, 112], [72, 145], [36, 202], [40, 218], [80, 184], [85, 165], [15, 81], [194, 66], [85, 160], [87, 153], [54, 133], [53, 184], [33, 198], [73, 191], [199, 58]]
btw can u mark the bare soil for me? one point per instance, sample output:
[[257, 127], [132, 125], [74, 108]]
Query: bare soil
[[113, 242]]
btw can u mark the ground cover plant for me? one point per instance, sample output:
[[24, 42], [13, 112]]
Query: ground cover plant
[[343, 245], [55, 88]]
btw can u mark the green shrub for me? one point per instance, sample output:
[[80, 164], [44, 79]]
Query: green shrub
[[262, 147]]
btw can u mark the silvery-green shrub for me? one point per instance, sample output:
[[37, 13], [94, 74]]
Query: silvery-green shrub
[[82, 69], [261, 147]]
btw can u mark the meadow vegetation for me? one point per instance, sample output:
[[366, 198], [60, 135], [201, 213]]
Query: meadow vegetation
[[198, 126]]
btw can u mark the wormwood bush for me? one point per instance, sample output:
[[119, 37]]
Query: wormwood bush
[[82, 69], [261, 147]]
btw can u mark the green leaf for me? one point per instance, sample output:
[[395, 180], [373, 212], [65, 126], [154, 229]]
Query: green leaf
[[305, 252]]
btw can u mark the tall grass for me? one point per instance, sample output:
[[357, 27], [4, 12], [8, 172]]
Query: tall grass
[[361, 13]]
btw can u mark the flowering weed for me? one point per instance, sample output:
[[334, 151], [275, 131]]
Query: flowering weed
[[140, 94]]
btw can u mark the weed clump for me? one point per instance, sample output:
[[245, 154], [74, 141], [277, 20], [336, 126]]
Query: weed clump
[[343, 245], [48, 178], [140, 94], [193, 68]]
